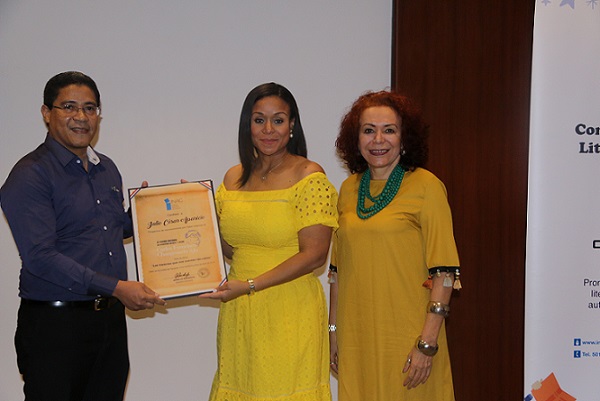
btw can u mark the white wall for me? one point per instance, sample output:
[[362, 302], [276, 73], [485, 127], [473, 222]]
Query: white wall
[[173, 76]]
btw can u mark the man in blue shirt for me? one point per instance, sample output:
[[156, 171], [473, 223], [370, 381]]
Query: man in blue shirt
[[64, 205]]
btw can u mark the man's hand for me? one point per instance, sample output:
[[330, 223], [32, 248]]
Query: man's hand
[[137, 296]]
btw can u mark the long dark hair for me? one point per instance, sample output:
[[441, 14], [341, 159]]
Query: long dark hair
[[297, 143]]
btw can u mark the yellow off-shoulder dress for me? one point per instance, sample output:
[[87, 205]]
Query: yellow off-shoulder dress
[[273, 345]]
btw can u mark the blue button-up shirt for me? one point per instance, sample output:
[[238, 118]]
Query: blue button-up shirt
[[68, 223]]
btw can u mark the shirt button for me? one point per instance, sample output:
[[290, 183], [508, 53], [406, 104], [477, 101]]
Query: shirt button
[[109, 253], [105, 228], [78, 161], [98, 201]]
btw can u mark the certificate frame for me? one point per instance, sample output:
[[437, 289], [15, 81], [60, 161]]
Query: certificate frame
[[176, 238]]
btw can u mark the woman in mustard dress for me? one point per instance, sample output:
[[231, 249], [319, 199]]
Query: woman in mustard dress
[[277, 211], [395, 257]]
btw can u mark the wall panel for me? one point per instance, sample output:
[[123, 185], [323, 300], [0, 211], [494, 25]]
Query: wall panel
[[468, 64]]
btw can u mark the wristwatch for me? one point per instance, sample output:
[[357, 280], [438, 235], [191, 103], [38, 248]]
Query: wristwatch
[[252, 287]]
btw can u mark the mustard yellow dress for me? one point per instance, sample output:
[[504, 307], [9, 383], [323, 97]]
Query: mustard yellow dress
[[382, 263], [273, 345]]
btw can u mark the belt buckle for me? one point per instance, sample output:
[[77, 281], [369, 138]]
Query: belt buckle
[[100, 303]]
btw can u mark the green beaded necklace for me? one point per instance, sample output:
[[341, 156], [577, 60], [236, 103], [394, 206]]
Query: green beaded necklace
[[380, 201]]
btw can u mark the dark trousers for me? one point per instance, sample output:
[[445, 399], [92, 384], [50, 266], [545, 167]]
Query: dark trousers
[[72, 354]]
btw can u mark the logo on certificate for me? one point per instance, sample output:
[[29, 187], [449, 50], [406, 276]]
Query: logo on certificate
[[193, 237]]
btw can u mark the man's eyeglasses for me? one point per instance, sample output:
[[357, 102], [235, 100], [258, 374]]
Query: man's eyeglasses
[[70, 109]]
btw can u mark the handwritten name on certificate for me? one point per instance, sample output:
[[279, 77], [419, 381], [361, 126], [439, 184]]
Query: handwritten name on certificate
[[176, 238]]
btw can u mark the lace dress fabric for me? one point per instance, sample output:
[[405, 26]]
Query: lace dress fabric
[[273, 345]]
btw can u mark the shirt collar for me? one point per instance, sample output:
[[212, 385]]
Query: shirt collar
[[92, 156], [65, 156]]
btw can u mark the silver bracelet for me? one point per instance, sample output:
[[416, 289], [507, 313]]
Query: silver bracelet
[[438, 308], [425, 348], [252, 289]]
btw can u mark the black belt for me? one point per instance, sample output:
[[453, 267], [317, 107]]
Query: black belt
[[97, 304]]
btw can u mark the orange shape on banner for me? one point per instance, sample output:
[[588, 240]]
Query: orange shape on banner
[[549, 390]]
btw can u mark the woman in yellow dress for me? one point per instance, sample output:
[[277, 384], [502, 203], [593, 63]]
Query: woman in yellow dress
[[395, 257], [277, 211]]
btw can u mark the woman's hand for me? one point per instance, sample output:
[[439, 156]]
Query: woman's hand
[[333, 352], [229, 290], [418, 366]]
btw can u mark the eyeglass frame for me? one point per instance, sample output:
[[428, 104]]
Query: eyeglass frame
[[71, 109]]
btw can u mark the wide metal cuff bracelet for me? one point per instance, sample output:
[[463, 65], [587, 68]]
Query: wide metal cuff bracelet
[[426, 349], [438, 308]]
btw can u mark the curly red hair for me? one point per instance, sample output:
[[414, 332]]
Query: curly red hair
[[414, 131]]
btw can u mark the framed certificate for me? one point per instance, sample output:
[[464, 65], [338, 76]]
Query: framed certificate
[[176, 238]]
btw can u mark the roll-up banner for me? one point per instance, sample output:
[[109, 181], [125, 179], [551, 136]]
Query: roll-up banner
[[562, 299]]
